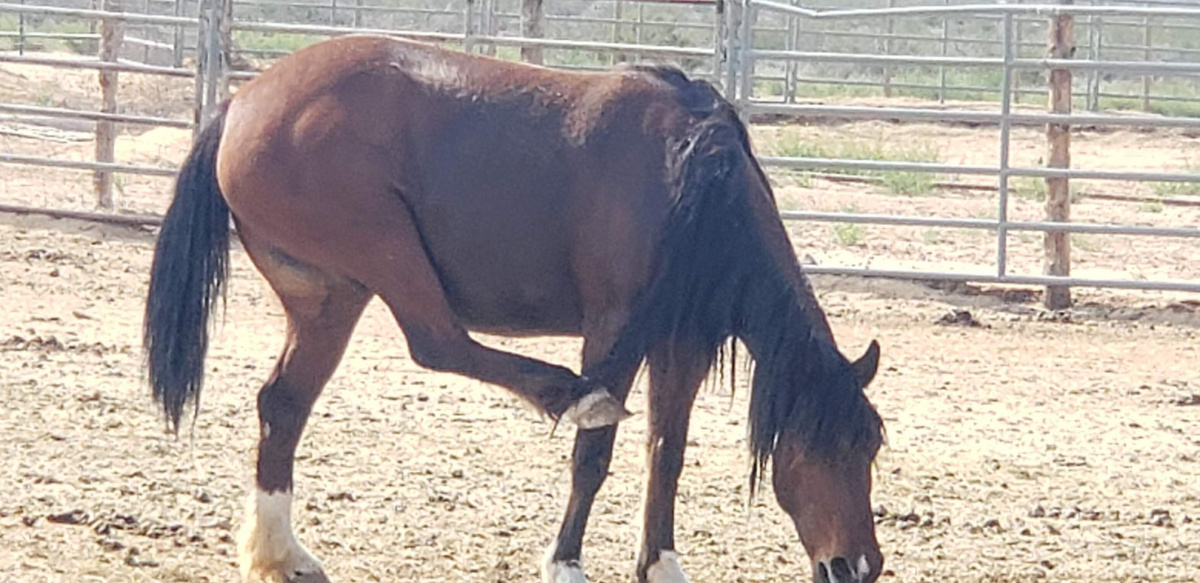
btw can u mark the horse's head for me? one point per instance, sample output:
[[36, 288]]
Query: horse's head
[[826, 489]]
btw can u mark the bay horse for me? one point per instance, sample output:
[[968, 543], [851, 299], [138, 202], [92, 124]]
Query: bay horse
[[472, 194]]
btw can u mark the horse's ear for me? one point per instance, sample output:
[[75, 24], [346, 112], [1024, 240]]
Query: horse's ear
[[867, 365]]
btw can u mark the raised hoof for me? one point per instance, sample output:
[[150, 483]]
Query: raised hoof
[[597, 409]]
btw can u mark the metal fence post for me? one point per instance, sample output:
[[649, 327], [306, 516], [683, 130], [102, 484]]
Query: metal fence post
[[177, 35], [1016, 78], [1006, 95], [618, 15], [1095, 79], [487, 12], [210, 69], [746, 59], [790, 42], [202, 26], [225, 48], [21, 32], [887, 50], [720, 54], [945, 52], [733, 53], [93, 5], [1148, 53], [469, 26], [1057, 245], [531, 27], [639, 28], [111, 37]]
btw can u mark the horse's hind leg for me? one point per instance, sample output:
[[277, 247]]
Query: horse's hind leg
[[322, 311]]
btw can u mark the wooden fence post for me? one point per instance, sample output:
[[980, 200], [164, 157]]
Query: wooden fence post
[[1057, 260], [531, 27], [111, 36]]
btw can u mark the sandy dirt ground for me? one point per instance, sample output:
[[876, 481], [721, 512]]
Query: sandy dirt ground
[[1033, 446]]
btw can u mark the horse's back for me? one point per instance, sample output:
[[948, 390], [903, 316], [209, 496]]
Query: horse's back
[[536, 192]]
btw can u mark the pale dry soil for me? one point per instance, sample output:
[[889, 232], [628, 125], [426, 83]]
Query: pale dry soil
[[1059, 447]]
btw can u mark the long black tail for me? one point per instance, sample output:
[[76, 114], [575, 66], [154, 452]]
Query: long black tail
[[191, 263]]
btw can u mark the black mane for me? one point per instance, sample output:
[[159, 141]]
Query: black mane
[[715, 278]]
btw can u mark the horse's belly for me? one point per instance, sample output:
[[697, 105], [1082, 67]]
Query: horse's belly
[[510, 279], [539, 304]]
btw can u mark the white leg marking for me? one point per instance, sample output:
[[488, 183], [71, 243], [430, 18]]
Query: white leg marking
[[268, 548], [666, 569], [561, 571]]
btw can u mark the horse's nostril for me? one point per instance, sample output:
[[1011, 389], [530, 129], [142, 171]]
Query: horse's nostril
[[823, 572], [864, 568], [840, 570]]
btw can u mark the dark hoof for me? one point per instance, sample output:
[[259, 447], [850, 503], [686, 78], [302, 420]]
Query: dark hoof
[[597, 409]]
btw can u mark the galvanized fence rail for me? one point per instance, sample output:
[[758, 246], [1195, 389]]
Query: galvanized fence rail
[[1147, 36], [746, 57], [960, 32], [741, 62]]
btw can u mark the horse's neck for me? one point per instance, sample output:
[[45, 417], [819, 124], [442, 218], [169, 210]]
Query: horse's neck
[[778, 246], [775, 318]]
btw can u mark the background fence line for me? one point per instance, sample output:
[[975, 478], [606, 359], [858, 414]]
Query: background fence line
[[767, 56], [492, 17]]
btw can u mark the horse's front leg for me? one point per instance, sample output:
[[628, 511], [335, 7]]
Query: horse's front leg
[[589, 461], [676, 371]]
